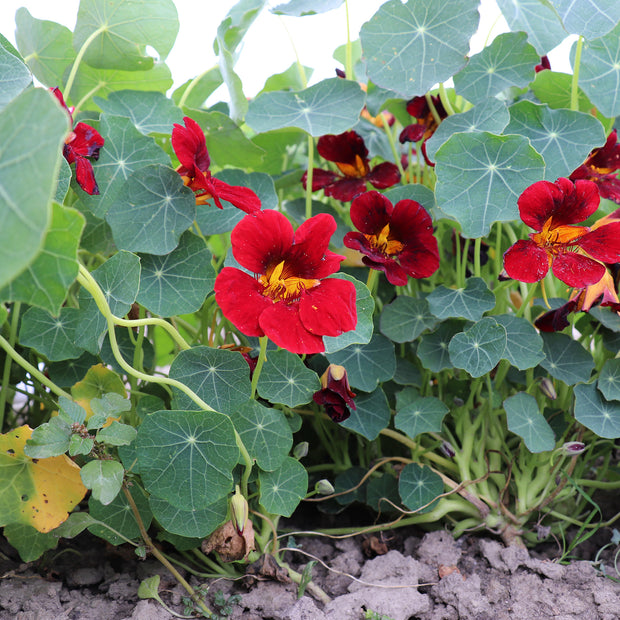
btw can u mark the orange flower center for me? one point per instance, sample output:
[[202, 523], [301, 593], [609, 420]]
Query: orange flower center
[[358, 170], [557, 240], [382, 242], [281, 285]]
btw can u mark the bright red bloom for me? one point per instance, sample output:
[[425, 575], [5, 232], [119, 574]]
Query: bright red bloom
[[425, 124], [335, 394], [397, 240], [82, 142], [603, 167], [348, 151], [290, 299], [190, 147]]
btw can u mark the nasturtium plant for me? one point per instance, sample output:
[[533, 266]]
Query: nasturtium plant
[[396, 286]]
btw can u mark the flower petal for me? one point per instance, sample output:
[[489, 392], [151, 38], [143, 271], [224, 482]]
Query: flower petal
[[85, 176], [190, 147], [577, 270], [240, 299], [370, 212], [603, 243], [384, 175], [87, 141], [345, 189], [329, 309], [260, 239], [412, 133], [282, 324], [342, 148], [320, 178], [241, 197], [395, 274], [526, 262]]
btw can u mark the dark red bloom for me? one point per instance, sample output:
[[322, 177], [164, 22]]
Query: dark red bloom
[[397, 240], [190, 147], [290, 299], [82, 142], [544, 64], [603, 167], [425, 123], [335, 394], [348, 151], [575, 253]]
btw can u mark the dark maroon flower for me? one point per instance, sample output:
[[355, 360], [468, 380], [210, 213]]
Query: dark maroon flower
[[348, 151], [81, 143], [424, 124], [335, 396], [544, 64]]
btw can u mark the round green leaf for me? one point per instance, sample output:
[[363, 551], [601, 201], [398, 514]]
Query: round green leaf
[[524, 346], [103, 478], [418, 487], [469, 303], [151, 211], [371, 415], [282, 490], [609, 380], [264, 432], [286, 380], [409, 47], [191, 523], [433, 348], [525, 419], [480, 177], [594, 412], [329, 107], [421, 415], [221, 378], [565, 359], [406, 318], [479, 348], [178, 282], [187, 457], [590, 18]]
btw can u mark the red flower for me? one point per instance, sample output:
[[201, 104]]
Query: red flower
[[602, 167], [348, 151], [397, 240], [574, 253], [544, 64], [336, 395], [82, 142], [290, 299], [425, 124], [191, 148]]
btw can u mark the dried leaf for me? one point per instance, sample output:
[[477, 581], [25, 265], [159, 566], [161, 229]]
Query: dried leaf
[[229, 544]]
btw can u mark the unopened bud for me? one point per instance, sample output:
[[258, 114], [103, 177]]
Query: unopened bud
[[546, 387], [324, 487], [572, 448], [447, 449], [239, 510], [301, 450]]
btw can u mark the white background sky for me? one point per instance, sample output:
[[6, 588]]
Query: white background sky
[[267, 48]]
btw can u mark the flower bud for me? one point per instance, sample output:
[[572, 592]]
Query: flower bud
[[239, 510], [336, 395], [301, 450], [447, 449], [572, 448], [546, 387], [324, 487]]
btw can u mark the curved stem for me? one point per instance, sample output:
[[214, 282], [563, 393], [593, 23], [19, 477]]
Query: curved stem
[[6, 374], [390, 137], [191, 86], [262, 356], [443, 95], [78, 59], [574, 87], [432, 108]]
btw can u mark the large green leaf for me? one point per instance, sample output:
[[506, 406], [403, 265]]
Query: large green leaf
[[433, 347], [538, 19], [191, 523], [599, 75], [609, 380], [151, 211], [508, 61], [32, 130], [479, 348], [329, 107], [469, 303], [565, 359], [187, 457], [286, 380], [418, 487], [264, 432], [282, 490], [411, 46], [221, 378], [47, 45], [14, 75], [125, 151], [564, 138], [421, 415], [178, 282], [554, 89], [299, 8], [367, 364], [150, 112], [481, 175], [46, 280], [404, 319], [589, 18], [524, 346], [524, 419], [371, 415], [594, 412], [116, 32]]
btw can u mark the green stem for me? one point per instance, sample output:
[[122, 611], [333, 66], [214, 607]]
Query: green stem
[[477, 248], [78, 59], [432, 108], [526, 301], [80, 104], [309, 175], [259, 364], [574, 87], [6, 375], [443, 95], [348, 64], [247, 459], [191, 86], [390, 137]]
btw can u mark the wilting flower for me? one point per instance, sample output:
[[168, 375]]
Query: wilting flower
[[424, 124], [190, 147], [335, 394], [83, 141], [290, 299], [397, 240], [348, 151], [575, 253], [602, 167]]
